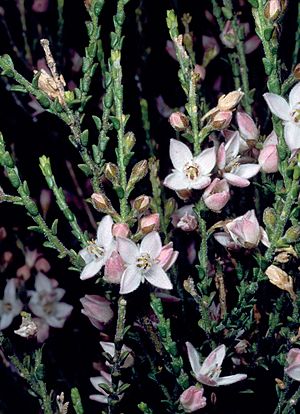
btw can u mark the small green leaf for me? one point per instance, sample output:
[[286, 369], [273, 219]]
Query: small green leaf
[[54, 227]]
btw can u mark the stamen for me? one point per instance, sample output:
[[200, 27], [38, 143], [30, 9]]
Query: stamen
[[95, 249]]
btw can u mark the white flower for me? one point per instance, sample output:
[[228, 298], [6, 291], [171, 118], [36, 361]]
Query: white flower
[[209, 372], [10, 305], [44, 302], [231, 166], [189, 172], [289, 112], [98, 252], [142, 263]]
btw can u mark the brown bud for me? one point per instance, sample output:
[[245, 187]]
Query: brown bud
[[149, 223], [272, 9], [230, 101], [141, 203], [184, 195], [111, 172], [179, 121], [129, 141], [138, 173], [296, 71], [281, 279], [101, 202], [48, 85], [221, 120]]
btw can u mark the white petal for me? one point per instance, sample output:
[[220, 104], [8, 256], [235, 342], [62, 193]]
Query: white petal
[[231, 379], [180, 154], [177, 181], [99, 398], [87, 257], [127, 249], [42, 283], [37, 309], [104, 232], [63, 310], [10, 291], [232, 147], [247, 170], [5, 320], [91, 269], [213, 361], [59, 293], [206, 160], [293, 371], [294, 96], [235, 180], [278, 106], [151, 244], [108, 347], [292, 136], [200, 183], [131, 280], [193, 358], [158, 277], [99, 380]]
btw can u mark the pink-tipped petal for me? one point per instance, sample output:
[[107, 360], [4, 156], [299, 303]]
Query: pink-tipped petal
[[246, 126], [236, 181], [221, 157]]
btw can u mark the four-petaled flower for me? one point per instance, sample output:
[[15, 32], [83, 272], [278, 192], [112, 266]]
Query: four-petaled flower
[[99, 251], [289, 113], [209, 372], [189, 172], [142, 263]]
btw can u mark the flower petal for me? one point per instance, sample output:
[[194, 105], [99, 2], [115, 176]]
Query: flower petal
[[278, 106], [177, 181], [221, 157], [10, 291], [213, 361], [180, 154], [232, 147], [104, 232], [87, 257], [127, 249], [246, 126], [206, 160], [99, 398], [293, 371], [151, 244], [193, 358], [91, 269], [99, 380], [292, 136], [131, 280], [225, 240], [158, 277], [294, 96], [5, 320], [231, 379], [108, 347], [42, 283], [235, 180]]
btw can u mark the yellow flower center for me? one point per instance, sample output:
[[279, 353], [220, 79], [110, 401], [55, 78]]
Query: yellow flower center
[[191, 171], [94, 249], [144, 262]]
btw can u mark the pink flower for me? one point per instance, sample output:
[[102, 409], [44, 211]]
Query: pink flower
[[114, 268], [120, 230], [45, 302], [98, 252], [248, 133], [33, 259], [142, 263], [192, 399], [289, 113], [189, 172], [97, 309], [244, 231], [10, 305], [40, 6], [228, 37], [216, 195], [232, 166], [149, 223], [184, 218], [105, 378], [179, 121], [209, 372], [167, 256], [293, 360], [268, 158]]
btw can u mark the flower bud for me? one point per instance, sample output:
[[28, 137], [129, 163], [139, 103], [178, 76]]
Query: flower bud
[[101, 202], [120, 230], [138, 173], [150, 223], [272, 9], [292, 235], [296, 71], [40, 6], [268, 159], [179, 121], [200, 71], [141, 203], [184, 195], [230, 101], [129, 141], [269, 217], [114, 268], [97, 309], [281, 279], [221, 120], [192, 399], [111, 172], [167, 256], [170, 206], [216, 195]]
